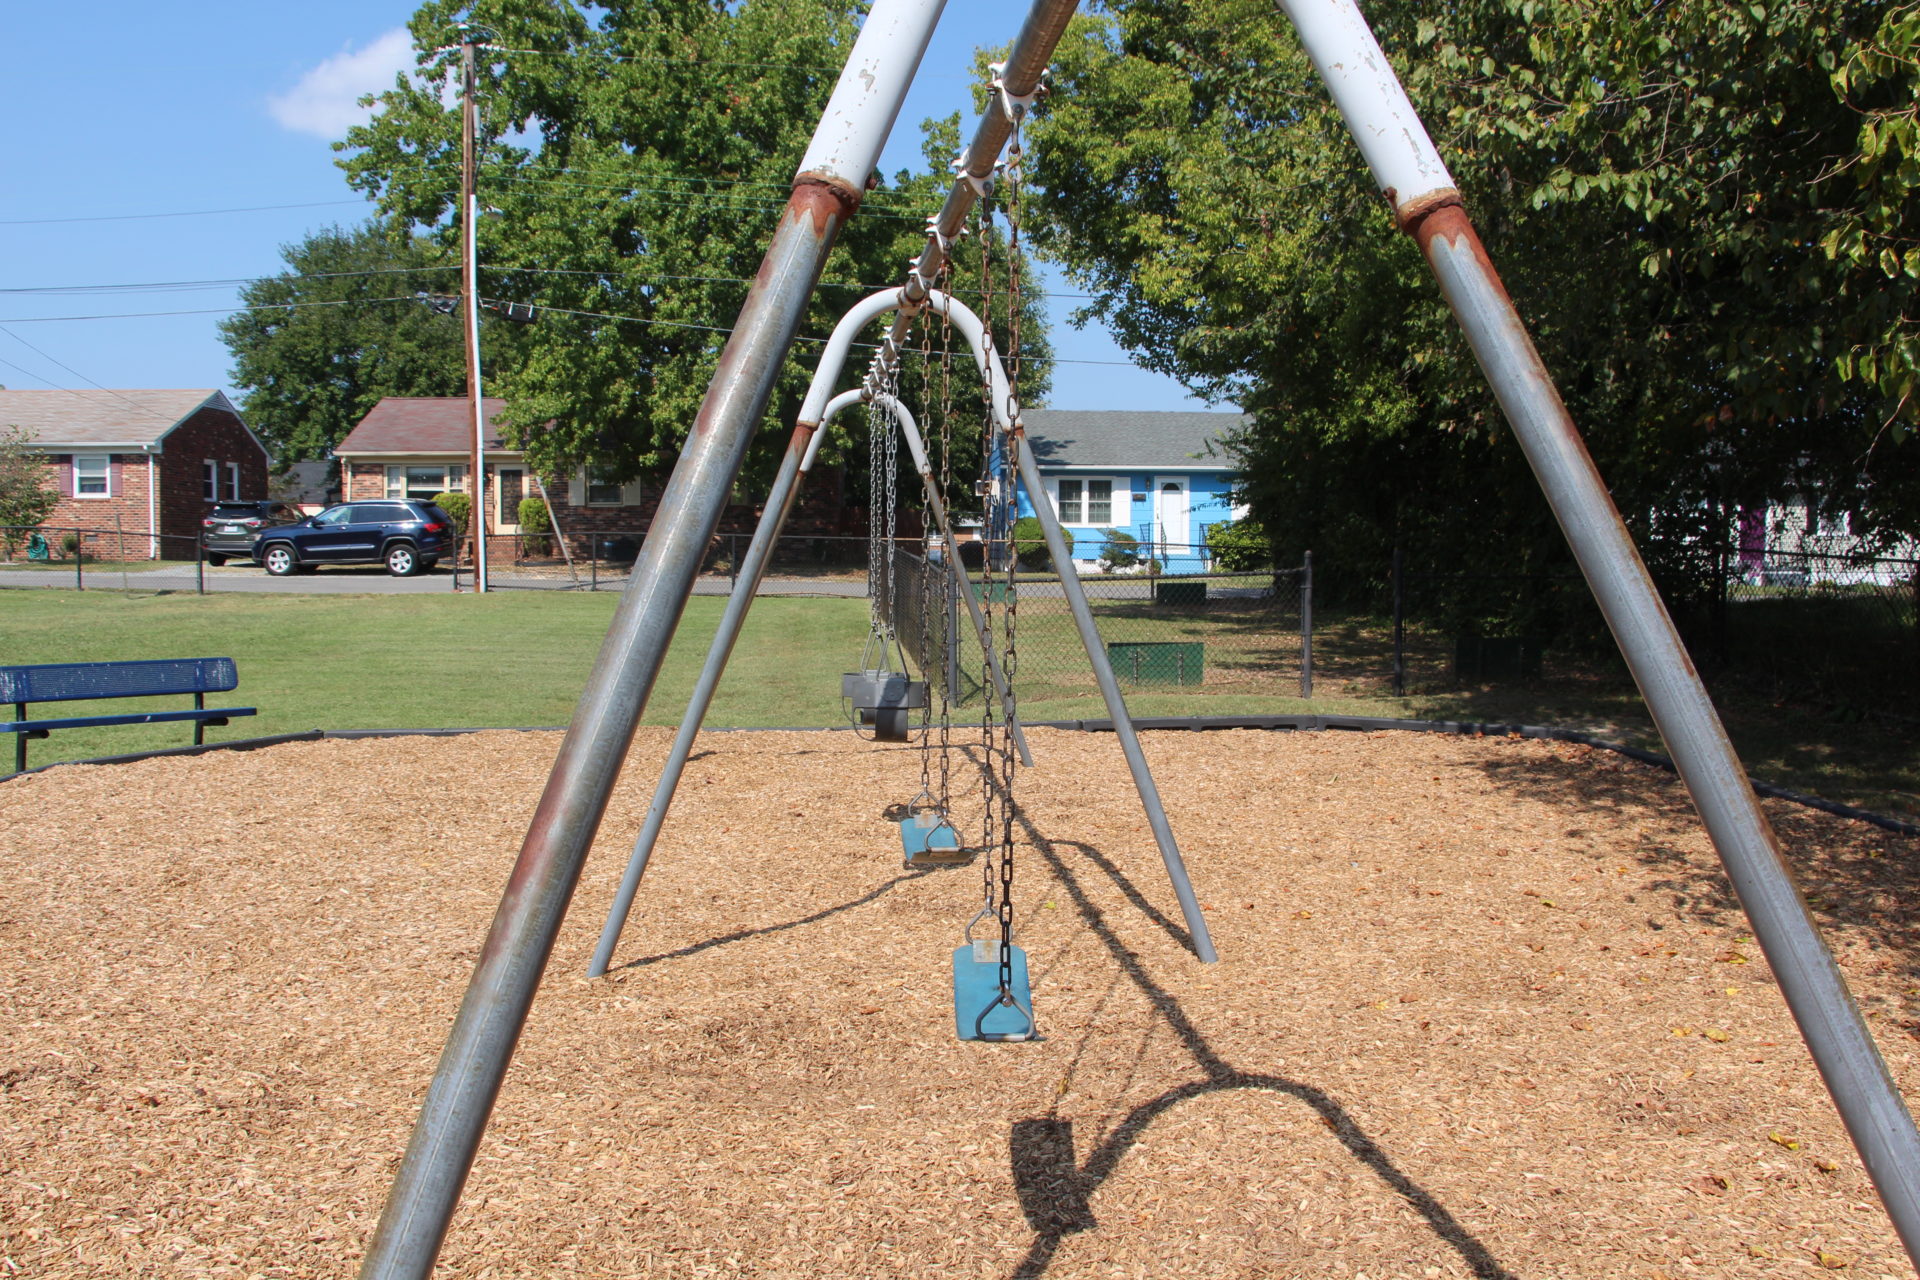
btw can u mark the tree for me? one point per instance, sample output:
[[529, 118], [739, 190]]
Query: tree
[[1658, 216], [326, 339], [637, 155], [26, 498]]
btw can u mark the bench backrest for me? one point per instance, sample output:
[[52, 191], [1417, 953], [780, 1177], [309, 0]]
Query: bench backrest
[[68, 681]]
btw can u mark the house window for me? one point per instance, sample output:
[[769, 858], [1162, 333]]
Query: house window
[[602, 491], [425, 482], [1085, 502], [210, 480], [233, 482], [90, 475]]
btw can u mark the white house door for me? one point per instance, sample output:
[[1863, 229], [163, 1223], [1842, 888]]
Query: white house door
[[1170, 513]]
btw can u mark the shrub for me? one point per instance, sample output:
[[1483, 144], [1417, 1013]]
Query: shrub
[[1030, 545], [535, 525], [458, 507], [1240, 546], [25, 497], [1122, 550]]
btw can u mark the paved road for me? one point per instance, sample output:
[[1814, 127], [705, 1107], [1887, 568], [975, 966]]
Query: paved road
[[336, 581], [372, 579]]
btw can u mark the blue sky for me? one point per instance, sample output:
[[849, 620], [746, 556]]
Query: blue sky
[[222, 106]]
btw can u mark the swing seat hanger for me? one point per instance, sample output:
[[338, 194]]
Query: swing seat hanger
[[983, 1007]]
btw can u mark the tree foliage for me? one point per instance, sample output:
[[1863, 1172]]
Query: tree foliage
[[1655, 184], [323, 341], [638, 155], [26, 498]]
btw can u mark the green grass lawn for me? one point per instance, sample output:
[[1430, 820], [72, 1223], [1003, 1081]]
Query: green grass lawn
[[514, 658], [419, 661]]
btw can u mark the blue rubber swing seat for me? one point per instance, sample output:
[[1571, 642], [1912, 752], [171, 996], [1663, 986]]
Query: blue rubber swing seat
[[980, 1008], [929, 840]]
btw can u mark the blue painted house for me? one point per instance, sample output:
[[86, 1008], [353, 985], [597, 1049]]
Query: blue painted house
[[1162, 477]]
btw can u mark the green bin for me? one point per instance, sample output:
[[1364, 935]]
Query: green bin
[[1180, 592], [1157, 661]]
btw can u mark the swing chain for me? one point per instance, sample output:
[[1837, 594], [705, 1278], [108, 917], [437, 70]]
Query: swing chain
[[1010, 660]]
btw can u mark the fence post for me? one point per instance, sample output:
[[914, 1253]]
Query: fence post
[[199, 565], [593, 563], [1306, 625], [79, 558], [733, 562], [1399, 631]]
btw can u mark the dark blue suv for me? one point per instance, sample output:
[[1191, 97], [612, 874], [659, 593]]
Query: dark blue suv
[[408, 536]]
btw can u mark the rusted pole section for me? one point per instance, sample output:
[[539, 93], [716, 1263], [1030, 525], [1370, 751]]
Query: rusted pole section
[[833, 175], [1428, 207], [1016, 82]]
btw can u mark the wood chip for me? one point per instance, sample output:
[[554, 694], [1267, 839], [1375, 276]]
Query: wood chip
[[225, 981]]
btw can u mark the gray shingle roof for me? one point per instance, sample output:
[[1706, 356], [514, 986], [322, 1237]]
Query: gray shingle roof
[[62, 419], [1129, 439]]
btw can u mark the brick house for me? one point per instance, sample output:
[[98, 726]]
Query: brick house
[[144, 465], [418, 447]]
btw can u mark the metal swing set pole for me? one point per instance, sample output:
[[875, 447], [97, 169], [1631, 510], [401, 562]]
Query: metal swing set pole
[[1428, 207], [832, 178], [1006, 416], [801, 450]]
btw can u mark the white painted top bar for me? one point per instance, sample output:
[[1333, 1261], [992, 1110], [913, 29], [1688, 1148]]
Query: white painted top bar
[[846, 144], [1364, 87]]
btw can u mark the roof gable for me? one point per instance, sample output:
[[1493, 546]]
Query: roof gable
[[1127, 439], [422, 424], [140, 419]]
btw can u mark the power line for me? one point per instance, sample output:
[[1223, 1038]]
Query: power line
[[343, 302], [159, 286], [689, 63], [152, 413], [207, 311], [184, 213], [618, 273]]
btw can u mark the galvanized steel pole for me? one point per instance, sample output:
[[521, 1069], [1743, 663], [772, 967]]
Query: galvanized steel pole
[[1013, 90], [801, 450], [1428, 207], [832, 178]]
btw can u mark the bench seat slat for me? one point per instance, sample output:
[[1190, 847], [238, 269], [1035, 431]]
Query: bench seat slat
[[209, 716], [155, 678]]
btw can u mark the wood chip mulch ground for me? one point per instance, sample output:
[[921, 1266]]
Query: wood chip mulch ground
[[1485, 1008]]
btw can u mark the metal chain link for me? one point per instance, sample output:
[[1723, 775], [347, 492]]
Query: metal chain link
[[1010, 660]]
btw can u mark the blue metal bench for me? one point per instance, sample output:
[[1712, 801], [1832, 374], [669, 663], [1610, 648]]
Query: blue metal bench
[[73, 681]]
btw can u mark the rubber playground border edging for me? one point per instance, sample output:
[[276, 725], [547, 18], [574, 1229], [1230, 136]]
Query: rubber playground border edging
[[1299, 723]]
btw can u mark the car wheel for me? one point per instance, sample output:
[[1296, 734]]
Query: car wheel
[[279, 560], [402, 560], [214, 560]]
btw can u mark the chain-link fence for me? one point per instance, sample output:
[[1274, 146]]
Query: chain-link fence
[[1215, 631], [1842, 624], [801, 564], [1847, 625], [100, 559]]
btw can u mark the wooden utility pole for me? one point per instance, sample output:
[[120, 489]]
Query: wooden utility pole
[[470, 294]]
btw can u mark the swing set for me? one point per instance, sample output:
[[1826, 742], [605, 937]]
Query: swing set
[[992, 996]]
